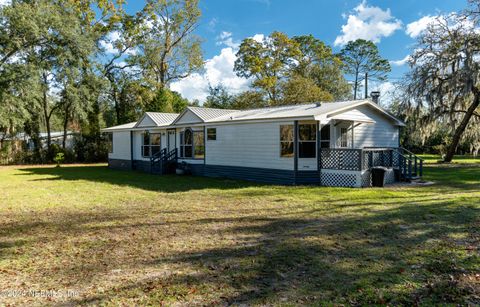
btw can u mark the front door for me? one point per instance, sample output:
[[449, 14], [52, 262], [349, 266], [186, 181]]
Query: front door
[[171, 140]]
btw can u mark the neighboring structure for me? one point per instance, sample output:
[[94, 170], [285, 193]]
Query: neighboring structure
[[56, 137], [332, 144]]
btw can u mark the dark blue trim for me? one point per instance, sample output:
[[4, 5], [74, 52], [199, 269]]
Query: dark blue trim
[[144, 166], [265, 175], [120, 164], [308, 177], [197, 169]]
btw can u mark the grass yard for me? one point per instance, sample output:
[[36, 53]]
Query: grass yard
[[124, 238], [434, 159]]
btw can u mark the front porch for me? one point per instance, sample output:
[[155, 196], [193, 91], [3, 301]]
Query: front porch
[[353, 167]]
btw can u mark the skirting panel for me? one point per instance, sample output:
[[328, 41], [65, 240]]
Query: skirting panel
[[143, 166], [308, 178], [339, 178], [197, 169], [120, 164], [274, 176]]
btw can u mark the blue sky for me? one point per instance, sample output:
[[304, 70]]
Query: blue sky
[[392, 24]]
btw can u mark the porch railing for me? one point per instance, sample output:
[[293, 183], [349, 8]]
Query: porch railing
[[409, 165]]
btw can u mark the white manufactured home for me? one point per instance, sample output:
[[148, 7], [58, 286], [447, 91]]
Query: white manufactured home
[[331, 144]]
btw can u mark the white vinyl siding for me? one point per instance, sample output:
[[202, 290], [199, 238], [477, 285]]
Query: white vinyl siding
[[383, 133], [147, 122], [121, 145], [248, 145], [188, 118]]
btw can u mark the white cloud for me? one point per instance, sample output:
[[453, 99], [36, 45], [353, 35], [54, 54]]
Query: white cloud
[[258, 37], [414, 29], [368, 22], [225, 38], [108, 44], [401, 62], [387, 92], [218, 70]]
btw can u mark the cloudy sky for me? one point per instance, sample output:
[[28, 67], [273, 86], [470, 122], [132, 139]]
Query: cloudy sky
[[392, 24]]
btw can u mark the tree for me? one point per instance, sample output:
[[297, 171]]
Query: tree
[[218, 97], [249, 100], [361, 57], [319, 64], [299, 89], [166, 101], [169, 49], [444, 83], [268, 62]]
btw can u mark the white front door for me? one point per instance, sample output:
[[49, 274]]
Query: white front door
[[171, 140]]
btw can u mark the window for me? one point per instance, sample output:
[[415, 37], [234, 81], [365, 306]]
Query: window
[[186, 143], [151, 144], [192, 144], [211, 134], [110, 142], [286, 141], [343, 137], [325, 137], [199, 145], [307, 140]]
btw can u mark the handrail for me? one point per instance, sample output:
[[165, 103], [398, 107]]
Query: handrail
[[409, 152]]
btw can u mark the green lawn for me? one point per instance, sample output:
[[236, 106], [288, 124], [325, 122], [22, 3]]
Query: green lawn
[[126, 238], [433, 159]]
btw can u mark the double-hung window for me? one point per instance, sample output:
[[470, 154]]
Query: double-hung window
[[325, 137], [150, 144], [192, 144], [307, 140], [211, 134], [199, 145], [286, 141], [186, 143]]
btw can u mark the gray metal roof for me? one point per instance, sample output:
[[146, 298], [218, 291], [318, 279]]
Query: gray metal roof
[[211, 115], [300, 110], [120, 127], [207, 114], [162, 119]]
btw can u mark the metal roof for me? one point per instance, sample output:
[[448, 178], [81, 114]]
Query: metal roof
[[207, 114], [162, 119], [314, 111], [300, 110], [120, 127]]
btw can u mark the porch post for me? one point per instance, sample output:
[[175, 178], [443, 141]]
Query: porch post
[[295, 151]]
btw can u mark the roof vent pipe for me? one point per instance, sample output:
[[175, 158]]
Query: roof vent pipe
[[375, 96]]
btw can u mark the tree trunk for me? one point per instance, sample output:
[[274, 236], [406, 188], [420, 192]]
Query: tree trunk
[[65, 126], [355, 86], [461, 128]]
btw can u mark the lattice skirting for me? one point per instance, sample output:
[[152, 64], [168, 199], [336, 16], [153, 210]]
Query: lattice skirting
[[337, 178]]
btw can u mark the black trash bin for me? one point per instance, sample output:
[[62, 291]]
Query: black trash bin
[[378, 174]]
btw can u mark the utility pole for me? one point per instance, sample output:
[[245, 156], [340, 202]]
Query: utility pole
[[366, 85]]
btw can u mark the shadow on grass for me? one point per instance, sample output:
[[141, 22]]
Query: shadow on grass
[[402, 255], [446, 178], [136, 179]]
